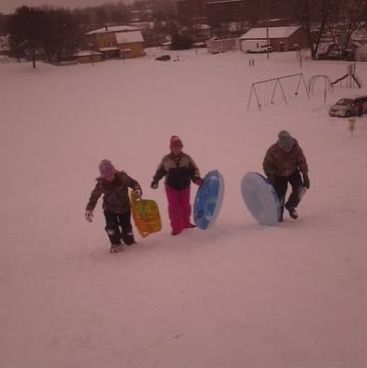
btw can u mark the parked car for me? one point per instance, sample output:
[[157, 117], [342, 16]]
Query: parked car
[[261, 50], [294, 47], [349, 106]]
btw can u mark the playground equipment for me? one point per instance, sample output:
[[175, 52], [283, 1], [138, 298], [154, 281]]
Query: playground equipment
[[265, 91], [351, 77], [328, 86]]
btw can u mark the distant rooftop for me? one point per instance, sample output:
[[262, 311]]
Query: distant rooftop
[[273, 32], [113, 29]]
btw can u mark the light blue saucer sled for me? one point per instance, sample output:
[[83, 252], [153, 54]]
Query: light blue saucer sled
[[260, 198]]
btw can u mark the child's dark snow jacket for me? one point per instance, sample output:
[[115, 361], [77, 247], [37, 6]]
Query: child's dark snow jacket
[[115, 193]]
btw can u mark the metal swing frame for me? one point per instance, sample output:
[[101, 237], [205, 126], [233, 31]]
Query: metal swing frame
[[278, 81]]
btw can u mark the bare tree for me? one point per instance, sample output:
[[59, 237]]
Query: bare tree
[[313, 16], [351, 15]]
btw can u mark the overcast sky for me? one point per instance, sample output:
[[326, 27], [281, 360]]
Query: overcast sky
[[9, 6]]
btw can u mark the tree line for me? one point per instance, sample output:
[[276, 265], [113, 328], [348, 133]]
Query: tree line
[[55, 34]]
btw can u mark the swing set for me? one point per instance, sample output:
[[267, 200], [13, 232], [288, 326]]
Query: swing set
[[288, 85]]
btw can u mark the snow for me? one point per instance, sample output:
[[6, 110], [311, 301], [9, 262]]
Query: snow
[[270, 32], [237, 295], [108, 48], [113, 29], [88, 53]]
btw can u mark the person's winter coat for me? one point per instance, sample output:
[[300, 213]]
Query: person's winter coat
[[178, 170], [115, 193], [278, 162]]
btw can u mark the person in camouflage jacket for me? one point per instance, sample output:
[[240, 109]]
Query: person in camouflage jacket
[[113, 185], [285, 163], [179, 170]]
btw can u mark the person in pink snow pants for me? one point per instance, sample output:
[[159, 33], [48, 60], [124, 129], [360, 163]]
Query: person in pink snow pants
[[179, 170]]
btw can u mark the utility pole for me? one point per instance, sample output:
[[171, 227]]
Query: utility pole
[[267, 40]]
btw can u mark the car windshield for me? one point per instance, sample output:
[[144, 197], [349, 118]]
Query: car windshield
[[344, 101]]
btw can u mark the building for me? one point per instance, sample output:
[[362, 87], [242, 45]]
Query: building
[[4, 45], [201, 32], [89, 56], [360, 53], [279, 38], [192, 11], [216, 12], [225, 11], [117, 42]]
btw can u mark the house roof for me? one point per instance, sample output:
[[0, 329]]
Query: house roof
[[129, 37], [88, 53], [273, 32], [142, 25], [113, 29], [108, 49], [201, 27]]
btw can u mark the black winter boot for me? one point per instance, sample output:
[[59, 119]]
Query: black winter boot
[[293, 213]]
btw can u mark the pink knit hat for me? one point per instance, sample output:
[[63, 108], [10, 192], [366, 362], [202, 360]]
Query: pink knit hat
[[175, 141], [106, 168]]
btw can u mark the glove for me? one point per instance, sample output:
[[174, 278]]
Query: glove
[[89, 215], [154, 184], [138, 192], [198, 181], [306, 181]]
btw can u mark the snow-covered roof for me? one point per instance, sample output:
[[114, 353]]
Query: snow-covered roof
[[273, 32], [142, 25], [87, 53], [201, 27], [128, 37], [113, 29], [108, 49]]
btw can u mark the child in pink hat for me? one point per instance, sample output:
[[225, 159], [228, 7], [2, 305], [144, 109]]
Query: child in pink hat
[[179, 170]]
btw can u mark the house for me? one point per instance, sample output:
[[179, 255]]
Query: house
[[215, 12], [360, 53], [215, 46], [201, 32], [280, 38], [117, 41], [4, 45], [225, 11], [191, 11], [89, 56]]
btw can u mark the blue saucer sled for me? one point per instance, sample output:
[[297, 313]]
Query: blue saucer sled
[[260, 199], [208, 200]]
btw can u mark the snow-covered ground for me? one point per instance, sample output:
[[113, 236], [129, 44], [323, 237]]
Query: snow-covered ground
[[237, 295]]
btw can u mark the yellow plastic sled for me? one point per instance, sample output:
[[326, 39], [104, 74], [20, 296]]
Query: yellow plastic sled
[[146, 215]]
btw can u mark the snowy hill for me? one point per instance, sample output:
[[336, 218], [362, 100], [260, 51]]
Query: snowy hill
[[237, 295]]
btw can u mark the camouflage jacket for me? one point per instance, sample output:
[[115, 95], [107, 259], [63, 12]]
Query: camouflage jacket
[[280, 163], [115, 193], [178, 171]]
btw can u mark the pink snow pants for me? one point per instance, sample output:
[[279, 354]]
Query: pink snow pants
[[179, 208]]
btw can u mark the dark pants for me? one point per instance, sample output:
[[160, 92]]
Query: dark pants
[[280, 184], [118, 226]]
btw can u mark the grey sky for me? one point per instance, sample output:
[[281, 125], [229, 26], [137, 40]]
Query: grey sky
[[9, 6]]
